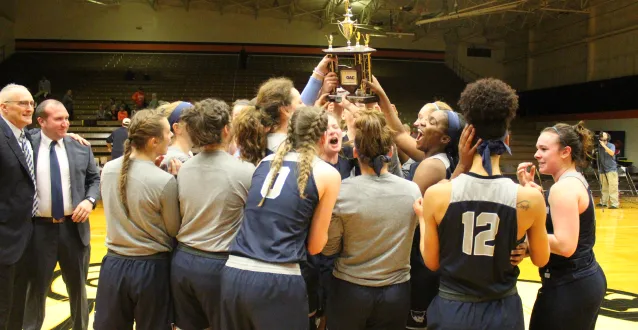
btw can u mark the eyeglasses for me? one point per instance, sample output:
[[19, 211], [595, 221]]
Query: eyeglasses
[[24, 104]]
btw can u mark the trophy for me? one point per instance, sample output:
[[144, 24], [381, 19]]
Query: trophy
[[351, 78]]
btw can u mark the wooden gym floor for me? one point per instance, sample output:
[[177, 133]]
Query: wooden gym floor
[[616, 250]]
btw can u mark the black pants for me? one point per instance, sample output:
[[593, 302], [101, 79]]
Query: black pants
[[13, 291], [134, 289], [196, 287], [357, 307], [501, 314], [52, 243], [253, 300], [574, 305]]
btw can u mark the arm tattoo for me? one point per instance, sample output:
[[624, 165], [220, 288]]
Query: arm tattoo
[[524, 205]]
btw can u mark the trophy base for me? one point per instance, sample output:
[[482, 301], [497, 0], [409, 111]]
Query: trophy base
[[361, 49], [335, 98], [363, 98]]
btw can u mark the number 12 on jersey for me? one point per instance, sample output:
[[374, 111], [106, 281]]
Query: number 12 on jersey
[[477, 243]]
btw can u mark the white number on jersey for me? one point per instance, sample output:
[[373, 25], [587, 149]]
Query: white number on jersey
[[277, 185], [469, 241]]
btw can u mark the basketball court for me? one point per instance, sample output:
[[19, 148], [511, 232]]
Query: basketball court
[[617, 231]]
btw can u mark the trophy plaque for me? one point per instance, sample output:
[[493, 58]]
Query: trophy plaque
[[351, 78]]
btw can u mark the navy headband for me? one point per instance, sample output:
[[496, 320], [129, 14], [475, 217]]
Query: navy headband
[[174, 117], [489, 147], [453, 126]]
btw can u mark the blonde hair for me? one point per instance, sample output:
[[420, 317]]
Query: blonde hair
[[306, 127], [146, 124]]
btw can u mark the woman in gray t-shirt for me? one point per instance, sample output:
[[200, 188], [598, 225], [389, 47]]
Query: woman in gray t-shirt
[[142, 217], [213, 187], [371, 229]]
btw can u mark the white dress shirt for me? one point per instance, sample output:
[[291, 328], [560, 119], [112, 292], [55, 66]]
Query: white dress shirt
[[43, 177]]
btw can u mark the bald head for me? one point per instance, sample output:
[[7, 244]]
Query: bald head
[[41, 110]]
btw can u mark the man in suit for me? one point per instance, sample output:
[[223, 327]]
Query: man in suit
[[17, 202], [68, 185]]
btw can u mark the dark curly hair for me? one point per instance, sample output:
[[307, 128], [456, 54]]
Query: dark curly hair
[[205, 121], [490, 105], [578, 138]]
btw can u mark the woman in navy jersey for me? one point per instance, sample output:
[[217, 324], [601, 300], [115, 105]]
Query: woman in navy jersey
[[287, 215], [471, 224], [331, 152], [439, 133], [574, 284]]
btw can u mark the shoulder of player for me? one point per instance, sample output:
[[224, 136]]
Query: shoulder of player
[[529, 198], [325, 171], [438, 191], [566, 187]]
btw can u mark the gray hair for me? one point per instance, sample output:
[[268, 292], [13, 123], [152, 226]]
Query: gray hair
[[8, 90]]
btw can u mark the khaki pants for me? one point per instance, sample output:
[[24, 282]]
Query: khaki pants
[[610, 189]]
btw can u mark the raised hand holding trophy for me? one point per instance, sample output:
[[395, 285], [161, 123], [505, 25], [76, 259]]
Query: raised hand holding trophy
[[351, 78]]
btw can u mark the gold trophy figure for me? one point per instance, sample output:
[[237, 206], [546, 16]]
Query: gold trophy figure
[[358, 37], [329, 41], [347, 26], [366, 39]]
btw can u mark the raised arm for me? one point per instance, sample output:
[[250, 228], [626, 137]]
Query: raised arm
[[402, 138]]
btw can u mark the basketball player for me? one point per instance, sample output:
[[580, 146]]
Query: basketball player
[[461, 219], [142, 217], [181, 145], [210, 217], [574, 284], [250, 130], [439, 131], [370, 288], [287, 213], [279, 99]]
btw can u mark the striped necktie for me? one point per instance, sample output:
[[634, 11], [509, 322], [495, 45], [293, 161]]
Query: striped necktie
[[27, 154]]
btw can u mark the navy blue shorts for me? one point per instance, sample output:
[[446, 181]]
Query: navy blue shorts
[[574, 305], [134, 289], [264, 301], [502, 314], [352, 306], [195, 284]]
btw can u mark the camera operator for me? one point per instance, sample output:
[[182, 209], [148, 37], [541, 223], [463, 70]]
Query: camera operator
[[608, 172]]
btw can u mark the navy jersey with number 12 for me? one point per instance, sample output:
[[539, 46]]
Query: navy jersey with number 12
[[476, 237]]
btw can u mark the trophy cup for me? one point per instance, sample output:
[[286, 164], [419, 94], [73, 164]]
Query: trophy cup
[[351, 78]]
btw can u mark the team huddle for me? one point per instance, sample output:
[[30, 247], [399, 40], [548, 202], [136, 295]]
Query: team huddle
[[281, 220]]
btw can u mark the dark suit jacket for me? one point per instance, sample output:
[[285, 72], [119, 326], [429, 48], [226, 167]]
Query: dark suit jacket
[[85, 178], [16, 198]]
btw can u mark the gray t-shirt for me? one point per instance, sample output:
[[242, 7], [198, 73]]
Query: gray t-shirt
[[372, 227], [174, 152], [213, 187], [274, 140], [153, 209]]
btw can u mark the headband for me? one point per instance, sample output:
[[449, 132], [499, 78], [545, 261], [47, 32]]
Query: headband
[[453, 126], [175, 115], [489, 147]]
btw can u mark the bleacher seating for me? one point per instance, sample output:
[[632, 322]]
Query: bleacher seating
[[96, 77]]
